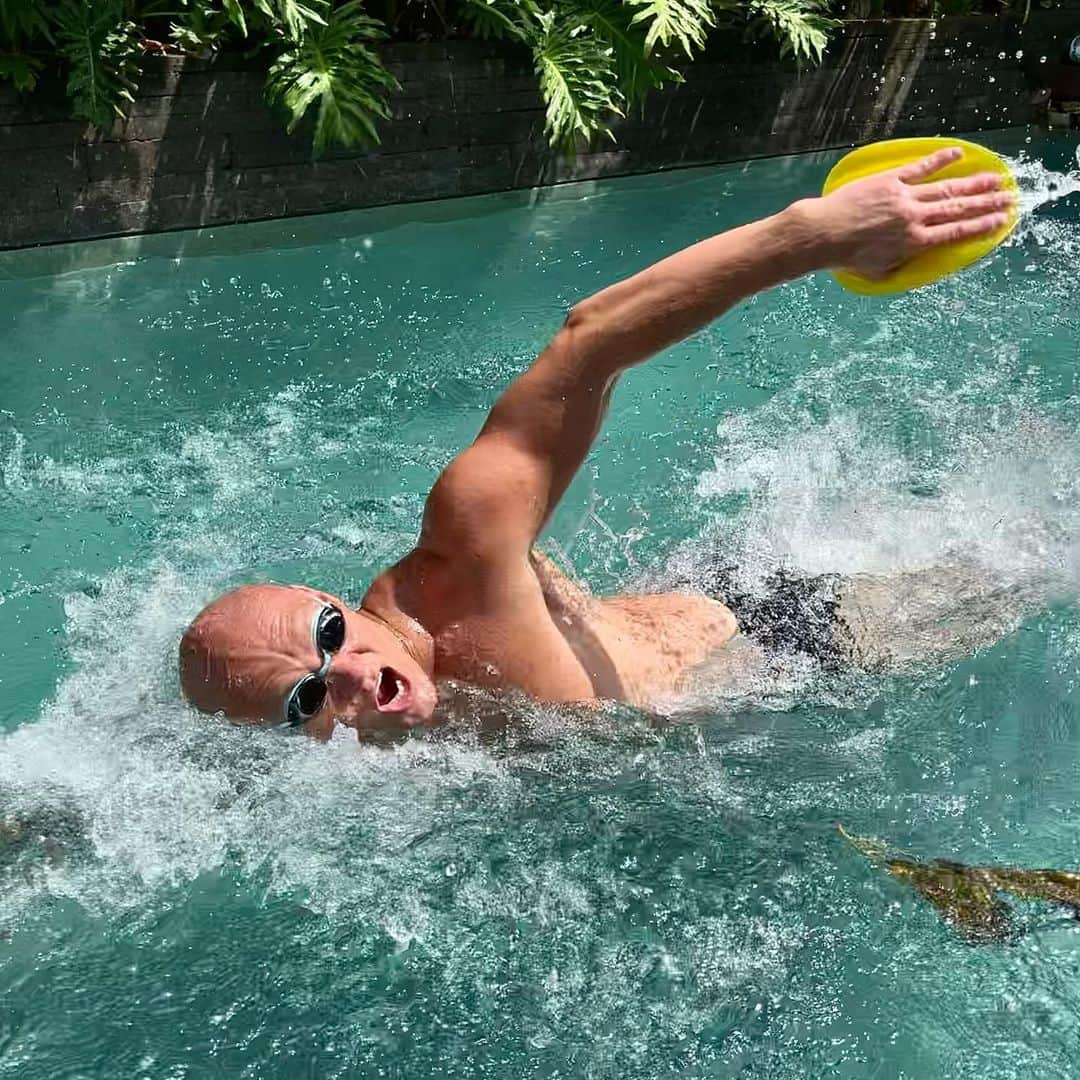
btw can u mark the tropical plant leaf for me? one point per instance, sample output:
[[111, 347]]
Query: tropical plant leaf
[[295, 17], [505, 19], [577, 80], [20, 70], [685, 22], [22, 22], [333, 69], [201, 28], [638, 70], [234, 11], [102, 48], [801, 26]]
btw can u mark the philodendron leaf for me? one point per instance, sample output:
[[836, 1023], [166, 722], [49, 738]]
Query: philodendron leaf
[[967, 897]]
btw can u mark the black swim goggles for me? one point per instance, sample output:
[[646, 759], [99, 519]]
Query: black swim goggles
[[306, 698]]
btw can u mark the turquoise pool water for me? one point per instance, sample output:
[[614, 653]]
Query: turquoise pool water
[[182, 899]]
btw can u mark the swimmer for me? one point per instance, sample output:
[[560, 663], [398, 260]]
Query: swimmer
[[474, 602]]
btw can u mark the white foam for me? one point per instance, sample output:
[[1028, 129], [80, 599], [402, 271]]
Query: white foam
[[1040, 186]]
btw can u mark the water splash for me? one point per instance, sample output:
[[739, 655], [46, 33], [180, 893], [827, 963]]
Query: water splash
[[1041, 186]]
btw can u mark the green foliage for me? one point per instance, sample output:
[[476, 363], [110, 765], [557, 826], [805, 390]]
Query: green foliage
[[593, 58], [637, 67], [292, 18], [802, 27], [509, 20], [21, 21], [102, 48], [686, 22], [577, 80], [333, 68], [20, 70], [203, 27]]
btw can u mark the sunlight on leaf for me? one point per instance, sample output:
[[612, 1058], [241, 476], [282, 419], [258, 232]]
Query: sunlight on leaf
[[334, 70], [577, 80], [685, 22], [801, 26]]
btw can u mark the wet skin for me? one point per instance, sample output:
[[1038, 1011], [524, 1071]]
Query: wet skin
[[473, 601]]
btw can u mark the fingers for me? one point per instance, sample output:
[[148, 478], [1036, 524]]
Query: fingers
[[958, 188], [920, 170], [967, 229], [973, 206]]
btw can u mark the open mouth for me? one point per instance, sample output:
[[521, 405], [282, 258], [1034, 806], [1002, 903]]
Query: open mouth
[[390, 688]]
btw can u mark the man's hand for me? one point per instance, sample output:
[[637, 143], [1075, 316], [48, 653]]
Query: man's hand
[[874, 225]]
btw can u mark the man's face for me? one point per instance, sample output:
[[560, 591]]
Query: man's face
[[270, 653]]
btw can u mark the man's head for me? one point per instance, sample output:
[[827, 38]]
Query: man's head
[[274, 653]]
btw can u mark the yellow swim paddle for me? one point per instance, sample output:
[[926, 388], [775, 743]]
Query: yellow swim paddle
[[941, 261]]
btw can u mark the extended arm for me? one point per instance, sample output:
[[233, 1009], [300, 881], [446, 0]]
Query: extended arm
[[494, 498]]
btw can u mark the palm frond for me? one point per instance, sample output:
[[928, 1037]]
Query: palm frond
[[685, 22], [334, 69], [102, 49], [577, 81], [20, 70], [801, 26]]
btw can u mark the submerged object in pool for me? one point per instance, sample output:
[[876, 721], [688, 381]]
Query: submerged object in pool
[[939, 262], [967, 897]]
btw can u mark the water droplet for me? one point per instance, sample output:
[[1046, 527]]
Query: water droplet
[[1042, 59], [1019, 54], [1001, 55]]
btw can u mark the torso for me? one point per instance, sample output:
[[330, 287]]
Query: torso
[[538, 631]]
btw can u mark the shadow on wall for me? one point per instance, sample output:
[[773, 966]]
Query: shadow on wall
[[202, 148]]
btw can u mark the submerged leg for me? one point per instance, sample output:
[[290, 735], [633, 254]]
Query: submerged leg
[[936, 614]]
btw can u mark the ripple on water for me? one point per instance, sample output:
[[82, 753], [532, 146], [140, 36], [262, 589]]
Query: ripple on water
[[572, 896]]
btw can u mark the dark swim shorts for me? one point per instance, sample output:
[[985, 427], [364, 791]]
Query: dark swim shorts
[[793, 614]]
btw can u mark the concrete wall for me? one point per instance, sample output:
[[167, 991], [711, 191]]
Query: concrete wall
[[202, 148]]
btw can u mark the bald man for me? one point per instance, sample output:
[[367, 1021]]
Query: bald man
[[473, 601]]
